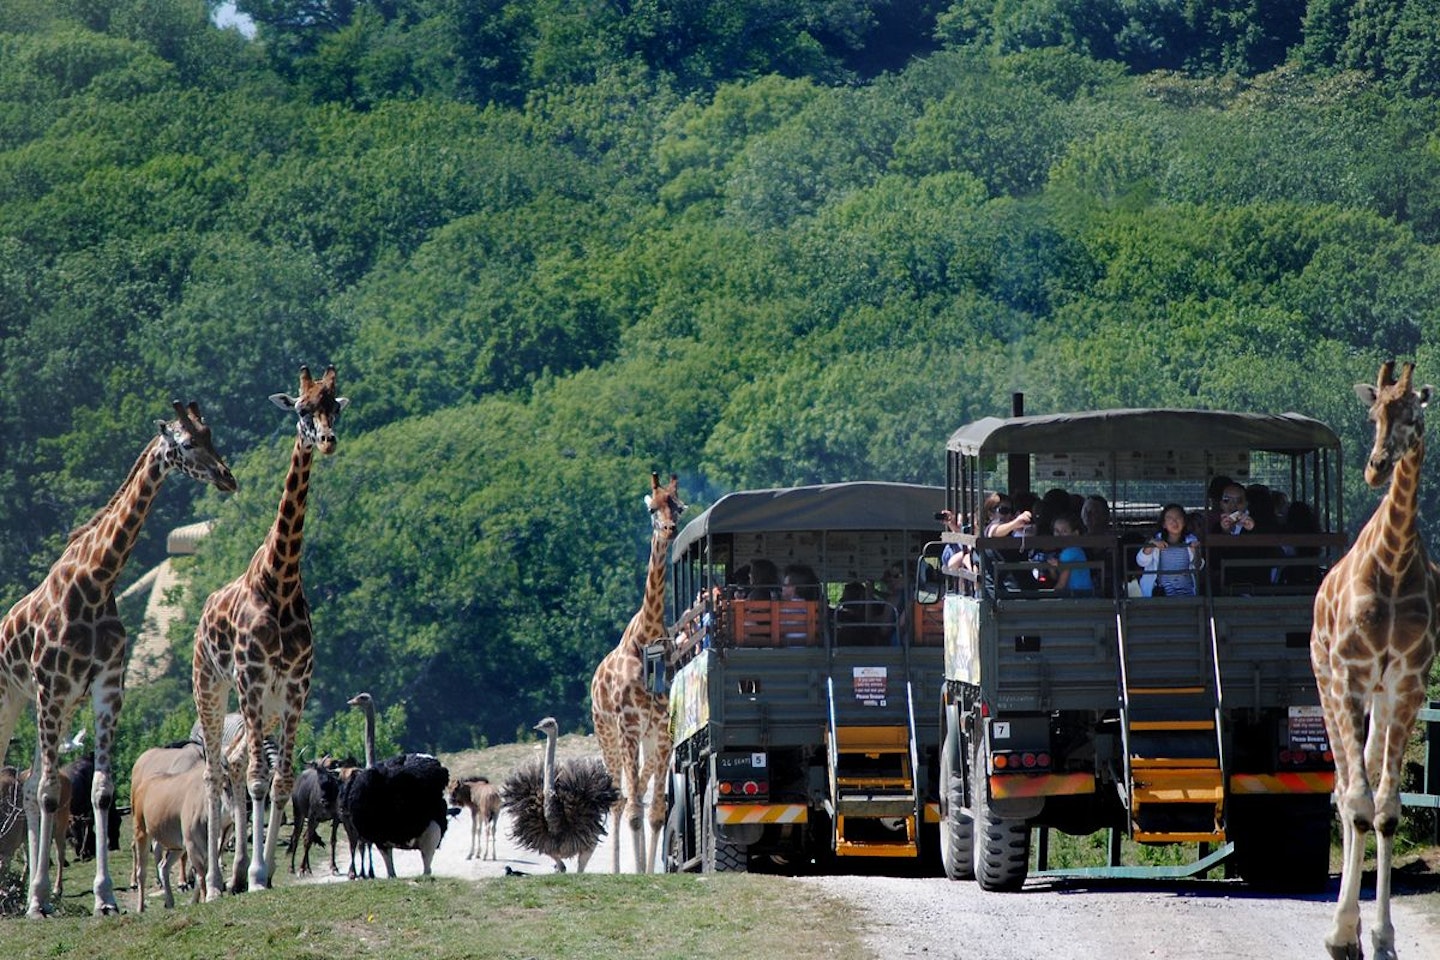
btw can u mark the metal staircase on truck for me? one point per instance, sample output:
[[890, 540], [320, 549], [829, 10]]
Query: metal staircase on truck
[[1169, 711], [873, 800]]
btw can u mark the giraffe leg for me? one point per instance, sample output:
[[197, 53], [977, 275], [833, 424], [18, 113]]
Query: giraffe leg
[[612, 754], [1391, 735], [1357, 814], [635, 814], [211, 709], [257, 781], [42, 799], [283, 783], [107, 694], [657, 761]]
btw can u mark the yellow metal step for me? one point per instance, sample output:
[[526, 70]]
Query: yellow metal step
[[862, 837], [874, 740]]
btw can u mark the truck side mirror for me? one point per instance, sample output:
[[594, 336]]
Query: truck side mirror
[[928, 577]]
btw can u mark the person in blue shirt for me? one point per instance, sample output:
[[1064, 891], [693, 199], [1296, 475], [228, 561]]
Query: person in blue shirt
[[1074, 581]]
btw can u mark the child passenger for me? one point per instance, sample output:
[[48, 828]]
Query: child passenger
[[1074, 581], [1170, 556]]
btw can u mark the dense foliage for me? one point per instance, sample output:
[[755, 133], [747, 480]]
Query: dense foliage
[[554, 246]]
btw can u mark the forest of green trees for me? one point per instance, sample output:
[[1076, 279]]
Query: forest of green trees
[[552, 246]]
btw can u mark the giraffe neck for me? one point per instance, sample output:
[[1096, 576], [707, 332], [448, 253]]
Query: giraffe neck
[[649, 622], [101, 546], [1398, 512], [278, 559]]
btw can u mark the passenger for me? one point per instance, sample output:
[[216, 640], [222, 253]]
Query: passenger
[[896, 598], [1300, 520], [1214, 495], [1095, 516], [955, 558], [1055, 503], [1001, 520], [799, 583], [1095, 519], [1234, 518], [857, 621], [1075, 582], [1261, 504], [764, 581], [1169, 558], [1282, 506]]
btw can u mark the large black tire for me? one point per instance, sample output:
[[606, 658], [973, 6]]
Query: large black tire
[[720, 855], [1282, 844], [957, 830], [673, 844], [1002, 847]]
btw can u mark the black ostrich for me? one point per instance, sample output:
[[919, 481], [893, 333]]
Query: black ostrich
[[559, 812], [397, 803]]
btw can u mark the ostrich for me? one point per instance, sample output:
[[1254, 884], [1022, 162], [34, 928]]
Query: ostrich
[[559, 812], [397, 803]]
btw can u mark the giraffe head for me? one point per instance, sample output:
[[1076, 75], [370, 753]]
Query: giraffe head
[[185, 445], [665, 507], [1398, 410], [317, 409]]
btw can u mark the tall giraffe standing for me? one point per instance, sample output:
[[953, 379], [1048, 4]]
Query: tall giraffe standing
[[254, 635], [64, 639], [1372, 646], [632, 723]]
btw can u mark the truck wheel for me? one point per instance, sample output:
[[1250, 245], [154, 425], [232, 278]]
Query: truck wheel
[[1282, 845], [1001, 847], [674, 842], [720, 855], [957, 830]]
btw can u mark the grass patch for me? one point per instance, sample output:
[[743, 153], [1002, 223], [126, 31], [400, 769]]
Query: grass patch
[[676, 917]]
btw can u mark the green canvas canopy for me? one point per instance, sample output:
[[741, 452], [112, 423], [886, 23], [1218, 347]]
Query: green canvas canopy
[[862, 505], [1140, 430]]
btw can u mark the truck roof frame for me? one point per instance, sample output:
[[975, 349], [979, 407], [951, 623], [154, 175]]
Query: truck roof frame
[[857, 505], [1143, 429]]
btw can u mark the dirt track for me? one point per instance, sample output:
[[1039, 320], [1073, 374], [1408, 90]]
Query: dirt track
[[1064, 920]]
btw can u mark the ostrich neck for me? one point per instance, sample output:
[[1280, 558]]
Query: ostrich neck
[[369, 736], [548, 789]]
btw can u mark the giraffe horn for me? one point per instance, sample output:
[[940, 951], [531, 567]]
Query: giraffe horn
[[305, 379], [329, 375], [654, 480], [179, 408], [1387, 374], [194, 410], [1406, 371]]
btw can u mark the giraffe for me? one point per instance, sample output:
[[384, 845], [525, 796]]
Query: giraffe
[[632, 723], [1372, 646], [254, 636], [64, 639]]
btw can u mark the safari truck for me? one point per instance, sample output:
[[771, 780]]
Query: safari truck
[[1166, 719], [799, 733]]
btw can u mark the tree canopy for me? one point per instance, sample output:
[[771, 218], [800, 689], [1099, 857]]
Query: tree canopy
[[552, 247]]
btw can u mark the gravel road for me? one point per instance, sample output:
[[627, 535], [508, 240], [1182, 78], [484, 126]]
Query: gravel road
[[1055, 919]]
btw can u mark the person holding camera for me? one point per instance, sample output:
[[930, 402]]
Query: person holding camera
[[1235, 517], [1169, 559]]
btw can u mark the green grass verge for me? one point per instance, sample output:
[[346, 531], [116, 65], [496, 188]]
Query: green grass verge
[[676, 917]]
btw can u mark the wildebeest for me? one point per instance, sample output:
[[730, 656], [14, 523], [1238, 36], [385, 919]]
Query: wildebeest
[[315, 800], [82, 810]]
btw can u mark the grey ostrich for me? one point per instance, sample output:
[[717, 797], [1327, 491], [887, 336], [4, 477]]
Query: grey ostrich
[[559, 811]]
